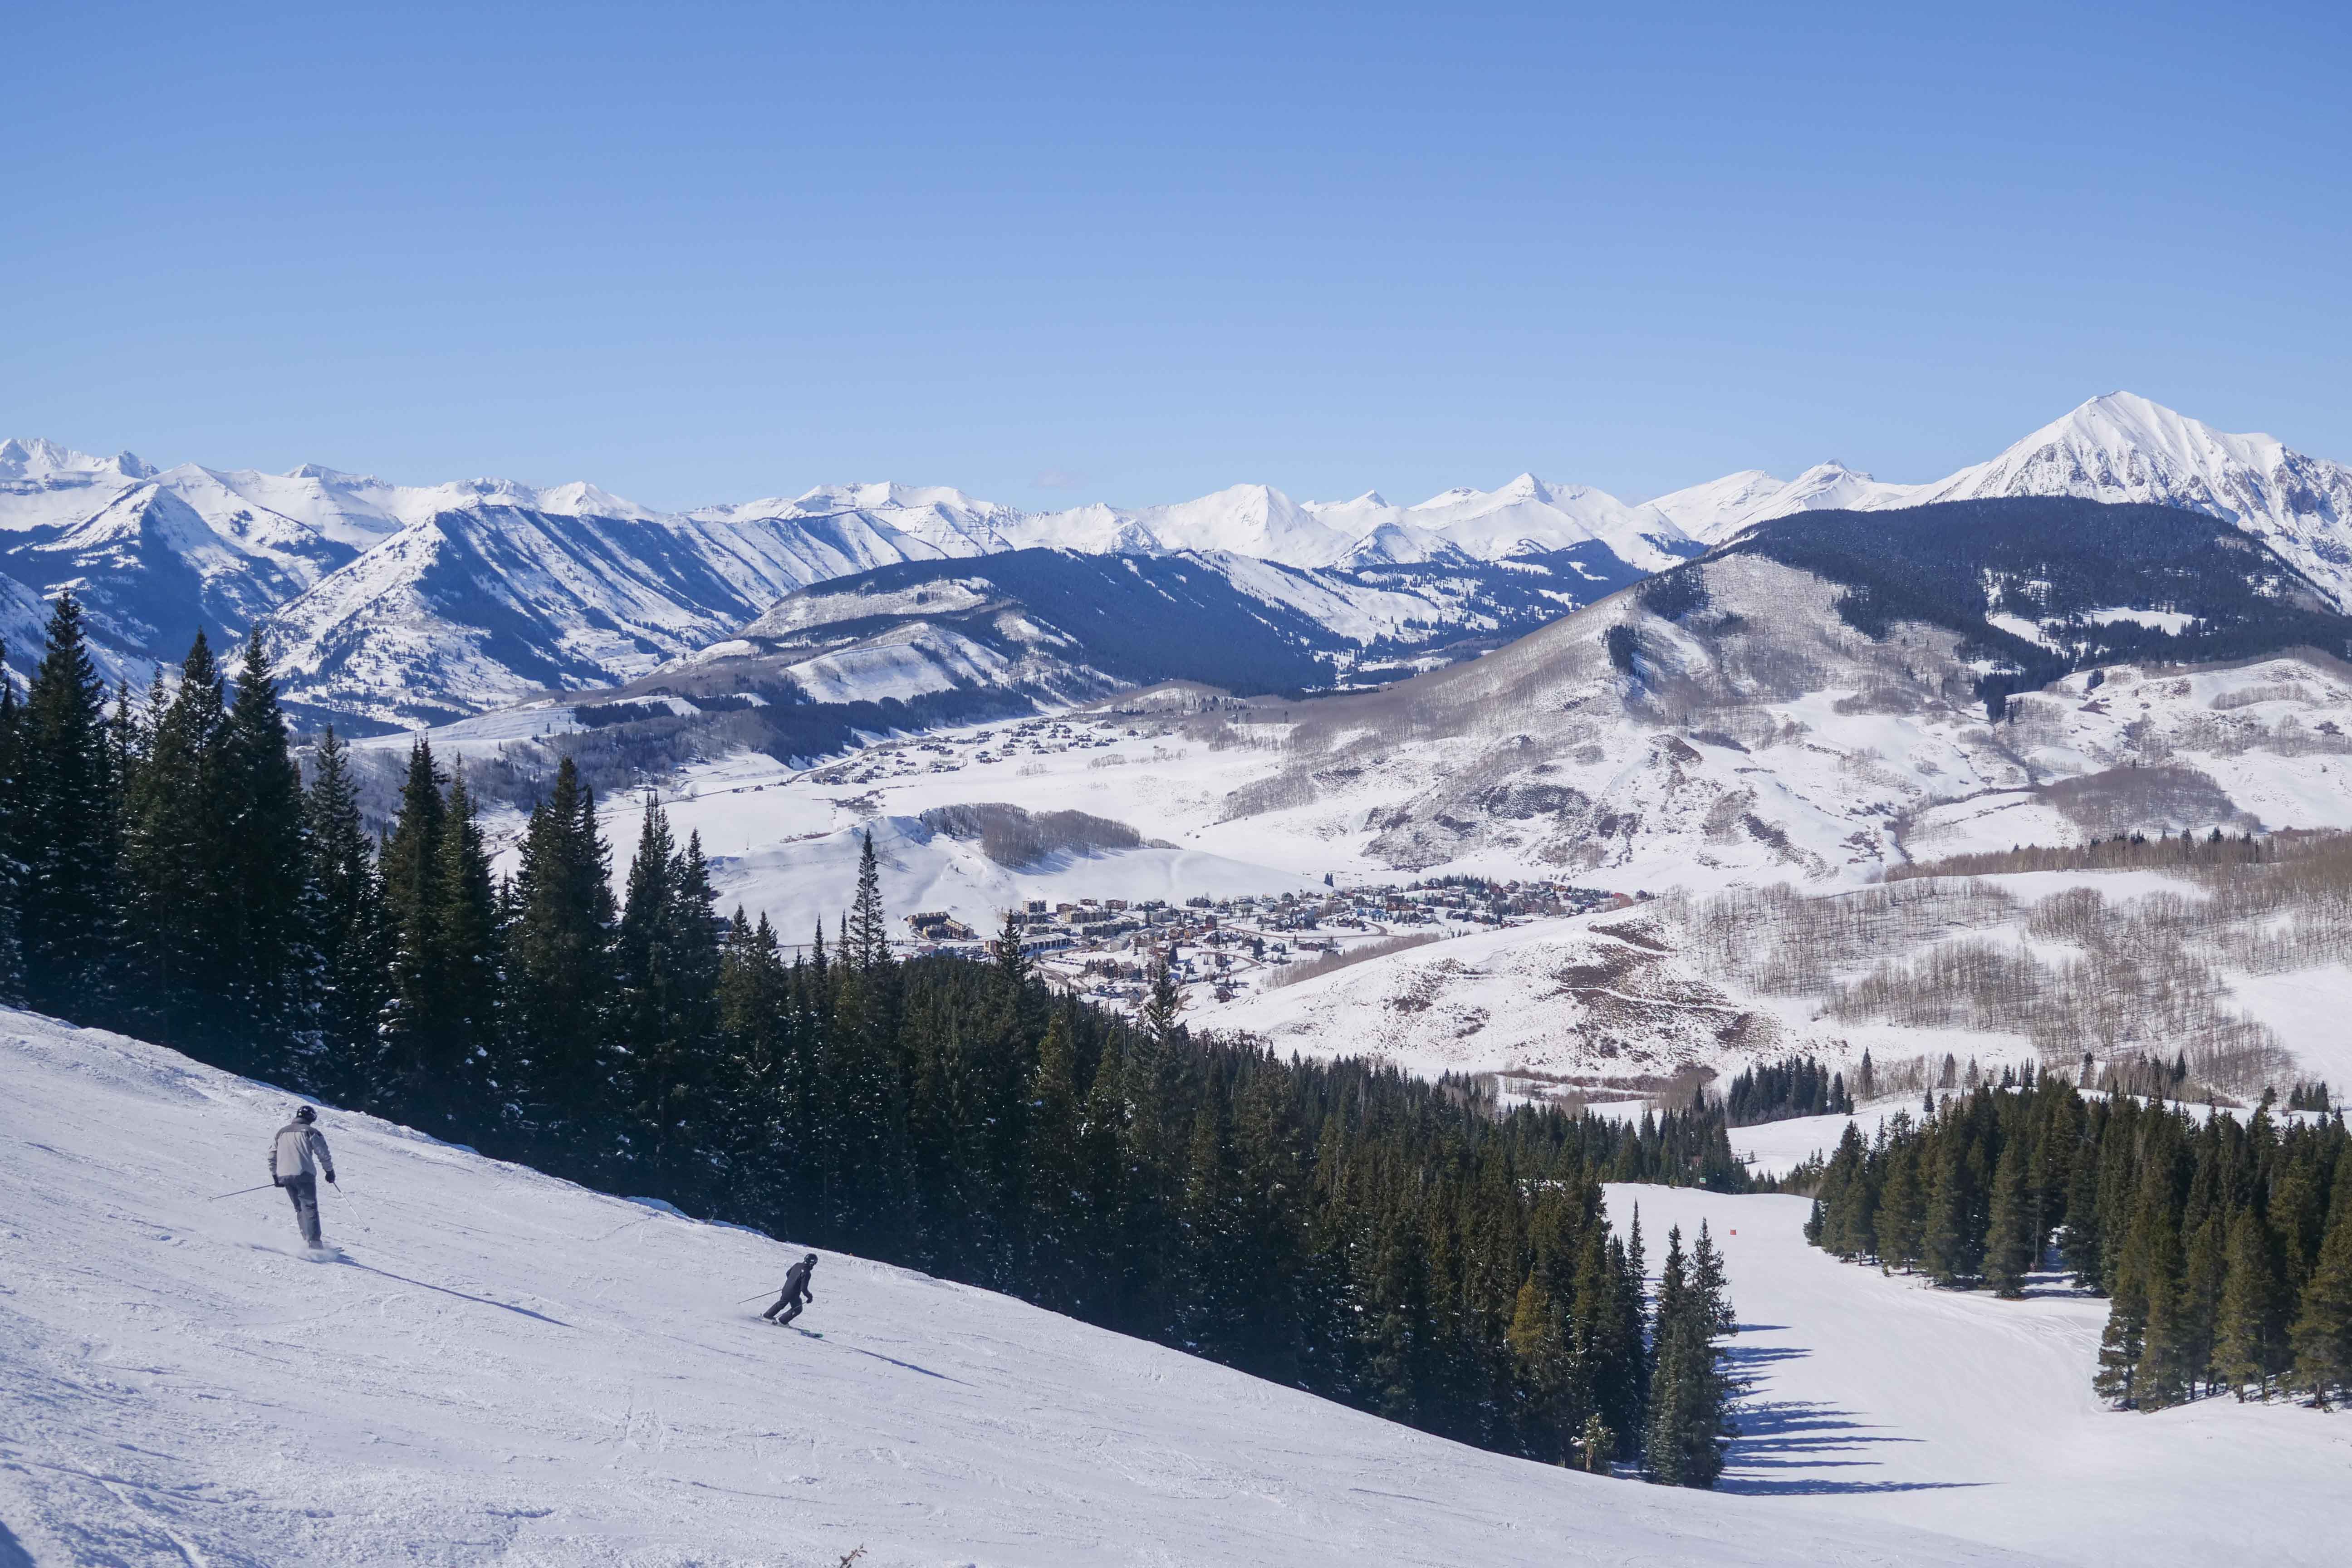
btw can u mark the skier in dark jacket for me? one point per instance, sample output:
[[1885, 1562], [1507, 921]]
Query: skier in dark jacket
[[298, 1157], [796, 1295]]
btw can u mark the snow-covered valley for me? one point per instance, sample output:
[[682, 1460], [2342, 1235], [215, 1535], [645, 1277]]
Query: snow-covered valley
[[503, 1368]]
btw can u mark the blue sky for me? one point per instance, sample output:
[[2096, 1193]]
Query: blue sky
[[1058, 253]]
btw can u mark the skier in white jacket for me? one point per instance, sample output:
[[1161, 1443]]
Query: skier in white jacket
[[298, 1157]]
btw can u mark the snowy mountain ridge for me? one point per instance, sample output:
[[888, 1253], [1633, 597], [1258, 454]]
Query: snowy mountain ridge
[[408, 604]]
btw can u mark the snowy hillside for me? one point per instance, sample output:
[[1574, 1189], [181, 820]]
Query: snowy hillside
[[1726, 727], [503, 1368]]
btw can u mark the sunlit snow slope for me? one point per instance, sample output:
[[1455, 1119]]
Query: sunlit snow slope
[[1881, 1398], [505, 1369]]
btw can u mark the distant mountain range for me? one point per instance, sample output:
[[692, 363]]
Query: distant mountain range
[[395, 605]]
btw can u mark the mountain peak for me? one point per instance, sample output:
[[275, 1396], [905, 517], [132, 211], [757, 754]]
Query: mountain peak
[[32, 457]]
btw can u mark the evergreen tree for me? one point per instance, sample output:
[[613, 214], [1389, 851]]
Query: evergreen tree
[[1055, 1202], [2202, 1276], [347, 932], [643, 942], [2322, 1329], [2008, 1244], [66, 836], [469, 987], [559, 941], [409, 868], [2246, 1347], [1902, 1202], [1953, 1246], [668, 951], [1713, 1285], [11, 865], [1163, 1003], [1012, 963], [1689, 1401], [180, 917], [869, 935], [273, 975], [441, 1020]]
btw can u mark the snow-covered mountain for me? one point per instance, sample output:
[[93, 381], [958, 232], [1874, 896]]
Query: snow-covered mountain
[[405, 604], [1723, 509], [2119, 447], [2123, 447]]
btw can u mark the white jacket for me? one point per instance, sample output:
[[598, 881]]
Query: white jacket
[[300, 1150]]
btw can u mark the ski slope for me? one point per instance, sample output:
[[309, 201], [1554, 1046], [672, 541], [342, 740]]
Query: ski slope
[[1879, 1398], [506, 1369]]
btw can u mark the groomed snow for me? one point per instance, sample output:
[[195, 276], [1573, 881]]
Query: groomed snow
[[1878, 1398], [506, 1369]]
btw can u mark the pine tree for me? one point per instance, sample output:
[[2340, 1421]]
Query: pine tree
[[11, 865], [2009, 1243], [1211, 1318], [67, 839], [441, 1021], [409, 868], [469, 984], [1688, 1399], [642, 946], [181, 916], [1953, 1244], [273, 975], [347, 932], [2246, 1330], [2202, 1276], [1712, 1285], [1902, 1204], [1005, 951], [869, 935], [559, 947], [1163, 1003], [2323, 1328], [1054, 1208], [668, 951]]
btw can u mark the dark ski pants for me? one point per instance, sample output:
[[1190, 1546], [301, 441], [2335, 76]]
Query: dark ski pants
[[789, 1305], [304, 1190]]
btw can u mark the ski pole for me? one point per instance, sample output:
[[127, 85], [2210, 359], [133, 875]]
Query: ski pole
[[240, 1192], [750, 1298]]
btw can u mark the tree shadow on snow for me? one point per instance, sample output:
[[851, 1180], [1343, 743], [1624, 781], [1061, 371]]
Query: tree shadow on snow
[[1807, 1434]]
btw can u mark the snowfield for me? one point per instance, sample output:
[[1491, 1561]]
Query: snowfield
[[507, 1369], [1881, 1398]]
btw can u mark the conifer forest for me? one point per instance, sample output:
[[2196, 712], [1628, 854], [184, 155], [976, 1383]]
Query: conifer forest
[[2223, 1247], [1400, 1246]]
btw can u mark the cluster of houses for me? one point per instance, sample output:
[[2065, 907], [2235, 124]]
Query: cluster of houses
[[1108, 947]]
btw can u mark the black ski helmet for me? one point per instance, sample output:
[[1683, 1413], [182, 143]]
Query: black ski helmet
[[306, 1114], [812, 1258]]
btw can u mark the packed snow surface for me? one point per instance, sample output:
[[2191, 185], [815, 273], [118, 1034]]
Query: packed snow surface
[[501, 1368]]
